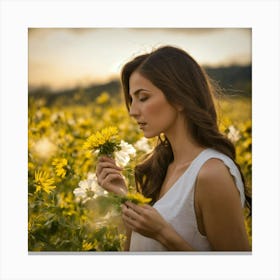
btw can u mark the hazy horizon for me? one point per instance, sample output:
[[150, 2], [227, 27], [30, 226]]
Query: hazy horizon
[[65, 58]]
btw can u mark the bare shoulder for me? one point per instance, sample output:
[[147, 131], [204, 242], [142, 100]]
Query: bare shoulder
[[214, 181], [214, 170], [219, 208]]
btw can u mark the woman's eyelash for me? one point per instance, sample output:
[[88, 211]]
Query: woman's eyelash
[[143, 98]]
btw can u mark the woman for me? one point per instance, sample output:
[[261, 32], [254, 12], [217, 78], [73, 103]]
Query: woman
[[196, 187]]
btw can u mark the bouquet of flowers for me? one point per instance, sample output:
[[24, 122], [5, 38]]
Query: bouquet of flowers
[[107, 143]]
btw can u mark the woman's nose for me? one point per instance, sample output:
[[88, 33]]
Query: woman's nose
[[133, 110]]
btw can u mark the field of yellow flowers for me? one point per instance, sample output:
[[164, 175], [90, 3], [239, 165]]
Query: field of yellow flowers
[[67, 211]]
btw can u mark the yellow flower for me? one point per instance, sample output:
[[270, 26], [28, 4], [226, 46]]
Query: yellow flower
[[137, 198], [105, 141], [60, 165], [87, 246], [101, 137], [29, 226], [43, 182], [30, 165], [102, 98]]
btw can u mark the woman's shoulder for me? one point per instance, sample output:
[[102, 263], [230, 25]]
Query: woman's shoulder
[[213, 169], [215, 165], [214, 180]]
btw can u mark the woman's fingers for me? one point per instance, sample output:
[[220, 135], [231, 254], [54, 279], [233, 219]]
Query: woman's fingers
[[106, 171], [131, 213], [109, 176], [134, 207], [109, 180], [105, 167], [130, 217], [133, 216], [105, 164], [108, 160], [105, 158]]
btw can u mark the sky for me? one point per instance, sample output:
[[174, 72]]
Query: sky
[[63, 58]]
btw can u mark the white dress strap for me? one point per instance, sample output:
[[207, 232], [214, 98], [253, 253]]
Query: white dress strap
[[234, 171]]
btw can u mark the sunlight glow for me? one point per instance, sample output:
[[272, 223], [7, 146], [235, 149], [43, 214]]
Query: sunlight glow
[[64, 58]]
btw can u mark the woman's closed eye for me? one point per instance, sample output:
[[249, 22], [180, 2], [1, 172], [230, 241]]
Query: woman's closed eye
[[143, 98]]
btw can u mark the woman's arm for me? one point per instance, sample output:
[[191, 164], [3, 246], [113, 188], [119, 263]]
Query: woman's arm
[[147, 221], [128, 237], [172, 241], [217, 199]]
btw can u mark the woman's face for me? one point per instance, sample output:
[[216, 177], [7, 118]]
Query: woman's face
[[150, 108]]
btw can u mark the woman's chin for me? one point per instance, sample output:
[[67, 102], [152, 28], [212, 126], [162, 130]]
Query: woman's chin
[[150, 134]]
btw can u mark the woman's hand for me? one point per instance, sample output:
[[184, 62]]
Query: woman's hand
[[109, 176], [143, 219]]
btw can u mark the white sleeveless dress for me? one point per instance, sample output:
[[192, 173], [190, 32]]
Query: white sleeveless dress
[[177, 206]]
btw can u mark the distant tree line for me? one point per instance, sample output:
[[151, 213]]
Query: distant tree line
[[233, 80]]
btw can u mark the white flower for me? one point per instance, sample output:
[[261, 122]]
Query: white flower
[[143, 145], [56, 116], [44, 148], [233, 134], [122, 157], [89, 189]]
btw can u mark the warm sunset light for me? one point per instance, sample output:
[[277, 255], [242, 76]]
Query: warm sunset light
[[64, 58]]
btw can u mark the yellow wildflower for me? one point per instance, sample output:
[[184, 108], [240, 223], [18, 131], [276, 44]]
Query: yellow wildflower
[[60, 165], [105, 141], [102, 98], [30, 165], [87, 246], [43, 182], [136, 198], [29, 226]]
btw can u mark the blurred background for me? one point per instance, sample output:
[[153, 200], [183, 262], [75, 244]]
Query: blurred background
[[65, 59], [74, 90]]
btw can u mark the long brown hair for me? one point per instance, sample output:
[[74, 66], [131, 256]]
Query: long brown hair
[[183, 82]]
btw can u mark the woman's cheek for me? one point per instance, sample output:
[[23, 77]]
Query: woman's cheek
[[153, 108]]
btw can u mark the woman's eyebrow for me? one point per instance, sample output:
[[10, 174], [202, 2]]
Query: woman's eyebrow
[[136, 93]]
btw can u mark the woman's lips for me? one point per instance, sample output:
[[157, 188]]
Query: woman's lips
[[142, 124]]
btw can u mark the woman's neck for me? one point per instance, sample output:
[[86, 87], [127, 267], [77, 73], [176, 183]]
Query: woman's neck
[[184, 148], [184, 151]]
